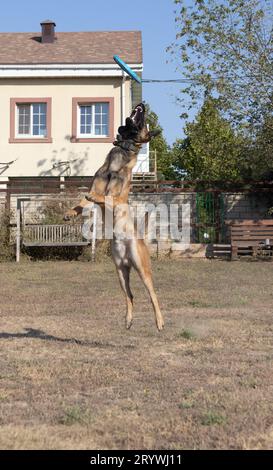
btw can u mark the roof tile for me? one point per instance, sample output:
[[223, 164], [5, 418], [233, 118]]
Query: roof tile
[[71, 48]]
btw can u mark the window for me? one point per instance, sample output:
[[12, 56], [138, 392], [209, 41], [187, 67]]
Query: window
[[92, 120], [30, 120]]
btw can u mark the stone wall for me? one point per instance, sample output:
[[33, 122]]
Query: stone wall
[[236, 207], [34, 208], [142, 201], [246, 206]]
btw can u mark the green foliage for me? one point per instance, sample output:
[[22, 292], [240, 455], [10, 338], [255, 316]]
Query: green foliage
[[211, 418], [260, 153], [6, 249], [211, 150], [164, 155], [52, 211], [186, 334], [226, 47], [73, 415]]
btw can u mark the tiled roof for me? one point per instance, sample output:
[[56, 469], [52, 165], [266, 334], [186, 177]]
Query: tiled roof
[[71, 48]]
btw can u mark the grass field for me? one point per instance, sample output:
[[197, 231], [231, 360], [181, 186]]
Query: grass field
[[71, 376]]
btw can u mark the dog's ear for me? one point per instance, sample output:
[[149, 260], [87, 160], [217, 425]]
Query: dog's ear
[[129, 127], [129, 122], [121, 130]]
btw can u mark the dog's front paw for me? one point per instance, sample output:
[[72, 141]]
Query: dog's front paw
[[70, 214], [91, 197]]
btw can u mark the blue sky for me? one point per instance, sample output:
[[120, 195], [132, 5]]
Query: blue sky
[[155, 18]]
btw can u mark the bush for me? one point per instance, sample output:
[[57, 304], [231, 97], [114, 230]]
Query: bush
[[52, 211], [6, 248]]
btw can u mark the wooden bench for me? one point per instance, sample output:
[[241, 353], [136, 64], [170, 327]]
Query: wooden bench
[[53, 235], [255, 235]]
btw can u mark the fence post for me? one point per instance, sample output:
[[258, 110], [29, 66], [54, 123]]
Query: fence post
[[155, 164], [18, 226], [93, 245], [18, 230]]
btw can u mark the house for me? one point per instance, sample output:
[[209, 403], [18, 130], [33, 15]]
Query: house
[[63, 98]]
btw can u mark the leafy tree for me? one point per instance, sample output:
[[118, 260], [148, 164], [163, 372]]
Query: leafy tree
[[159, 144], [211, 150], [226, 47], [260, 151]]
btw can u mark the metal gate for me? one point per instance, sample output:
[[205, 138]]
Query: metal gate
[[210, 226]]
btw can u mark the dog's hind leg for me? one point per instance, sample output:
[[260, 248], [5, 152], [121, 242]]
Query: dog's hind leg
[[124, 279], [142, 264]]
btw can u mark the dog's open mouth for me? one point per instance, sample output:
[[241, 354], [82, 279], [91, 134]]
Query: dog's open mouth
[[138, 115]]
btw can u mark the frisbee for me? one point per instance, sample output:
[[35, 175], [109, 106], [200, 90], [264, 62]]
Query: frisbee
[[127, 69]]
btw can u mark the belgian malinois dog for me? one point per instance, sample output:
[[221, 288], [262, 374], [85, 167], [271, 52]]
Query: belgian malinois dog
[[112, 183]]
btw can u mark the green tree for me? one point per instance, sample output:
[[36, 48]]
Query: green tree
[[211, 150], [159, 144], [260, 151], [226, 47]]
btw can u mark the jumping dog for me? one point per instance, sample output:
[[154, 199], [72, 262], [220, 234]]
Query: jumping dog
[[112, 183]]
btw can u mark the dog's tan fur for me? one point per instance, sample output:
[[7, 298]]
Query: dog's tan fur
[[128, 250]]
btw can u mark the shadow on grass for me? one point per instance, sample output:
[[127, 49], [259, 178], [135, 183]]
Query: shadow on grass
[[39, 334]]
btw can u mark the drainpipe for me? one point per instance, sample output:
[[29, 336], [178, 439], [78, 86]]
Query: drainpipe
[[122, 94]]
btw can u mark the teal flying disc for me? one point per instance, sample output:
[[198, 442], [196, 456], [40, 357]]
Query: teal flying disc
[[127, 69]]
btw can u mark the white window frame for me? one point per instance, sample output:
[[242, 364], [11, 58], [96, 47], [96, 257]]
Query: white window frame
[[29, 136], [92, 135]]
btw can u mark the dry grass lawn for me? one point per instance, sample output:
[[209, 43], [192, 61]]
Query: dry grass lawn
[[72, 377]]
